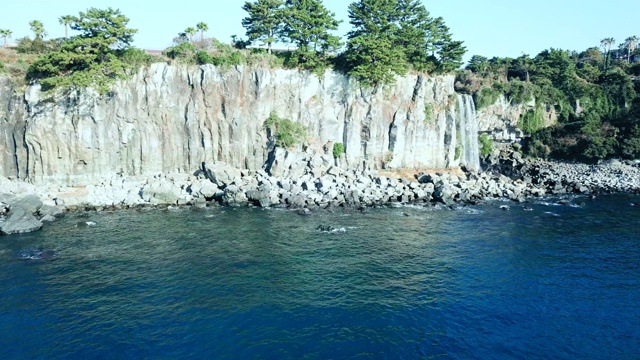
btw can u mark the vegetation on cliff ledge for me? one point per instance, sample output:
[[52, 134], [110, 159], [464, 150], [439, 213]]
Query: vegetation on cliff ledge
[[388, 38], [595, 95]]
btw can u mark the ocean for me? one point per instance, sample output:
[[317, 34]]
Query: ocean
[[539, 280]]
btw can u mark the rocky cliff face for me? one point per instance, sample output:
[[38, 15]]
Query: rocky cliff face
[[169, 119], [500, 120]]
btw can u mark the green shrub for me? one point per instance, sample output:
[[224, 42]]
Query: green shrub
[[537, 149], [519, 92], [184, 52], [287, 132], [458, 151], [2, 68], [338, 150], [486, 97], [136, 58], [532, 120], [229, 58], [203, 57], [429, 115], [486, 145]]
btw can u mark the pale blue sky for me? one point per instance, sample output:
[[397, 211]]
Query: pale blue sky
[[488, 27]]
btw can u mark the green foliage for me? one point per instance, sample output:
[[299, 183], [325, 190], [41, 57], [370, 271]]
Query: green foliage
[[264, 20], [308, 25], [2, 68], [287, 133], [136, 58], [429, 114], [537, 149], [373, 60], [532, 120], [486, 97], [92, 58], [372, 55], [486, 145], [38, 29], [595, 99], [338, 150], [36, 46], [391, 36], [630, 147], [183, 52], [5, 34], [520, 92], [414, 25], [458, 151]]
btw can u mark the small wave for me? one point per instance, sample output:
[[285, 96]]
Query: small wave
[[473, 211], [546, 203], [330, 229], [551, 213], [36, 254]]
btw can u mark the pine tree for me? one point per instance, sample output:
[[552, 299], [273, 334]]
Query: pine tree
[[373, 55], [308, 25], [443, 48], [414, 24], [264, 21], [92, 57]]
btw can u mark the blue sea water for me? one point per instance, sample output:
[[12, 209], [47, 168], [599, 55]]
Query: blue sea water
[[559, 282]]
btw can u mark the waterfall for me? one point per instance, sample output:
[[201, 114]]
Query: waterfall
[[468, 132]]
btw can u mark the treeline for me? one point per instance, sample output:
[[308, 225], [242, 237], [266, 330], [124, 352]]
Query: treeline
[[98, 54], [388, 38], [594, 93]]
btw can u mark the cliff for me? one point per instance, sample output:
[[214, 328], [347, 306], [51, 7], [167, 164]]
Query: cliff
[[169, 119], [500, 120]]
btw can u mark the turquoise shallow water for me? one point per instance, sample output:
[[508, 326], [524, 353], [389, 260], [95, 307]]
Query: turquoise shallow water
[[478, 282]]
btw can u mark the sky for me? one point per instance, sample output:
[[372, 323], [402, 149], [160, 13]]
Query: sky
[[488, 27]]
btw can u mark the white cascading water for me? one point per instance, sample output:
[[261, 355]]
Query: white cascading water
[[468, 130]]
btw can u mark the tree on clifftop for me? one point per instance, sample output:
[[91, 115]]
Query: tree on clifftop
[[190, 32], [631, 44], [202, 27], [414, 26], [443, 48], [264, 21], [606, 44], [372, 54], [65, 21], [38, 29], [307, 24], [91, 58], [5, 33]]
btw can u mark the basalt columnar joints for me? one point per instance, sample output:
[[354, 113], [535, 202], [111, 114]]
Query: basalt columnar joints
[[168, 119]]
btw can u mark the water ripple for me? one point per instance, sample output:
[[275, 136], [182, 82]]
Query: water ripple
[[396, 283]]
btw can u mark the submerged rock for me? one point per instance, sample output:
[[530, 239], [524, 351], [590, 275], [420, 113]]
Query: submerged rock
[[37, 254]]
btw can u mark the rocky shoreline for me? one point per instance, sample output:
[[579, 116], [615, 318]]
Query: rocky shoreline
[[24, 207]]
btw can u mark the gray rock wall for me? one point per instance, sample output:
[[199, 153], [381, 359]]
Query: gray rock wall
[[168, 119], [500, 120]]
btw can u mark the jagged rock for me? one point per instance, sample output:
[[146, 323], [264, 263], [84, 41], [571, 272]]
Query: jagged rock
[[55, 211], [20, 221], [30, 203], [234, 197], [443, 193], [48, 218]]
